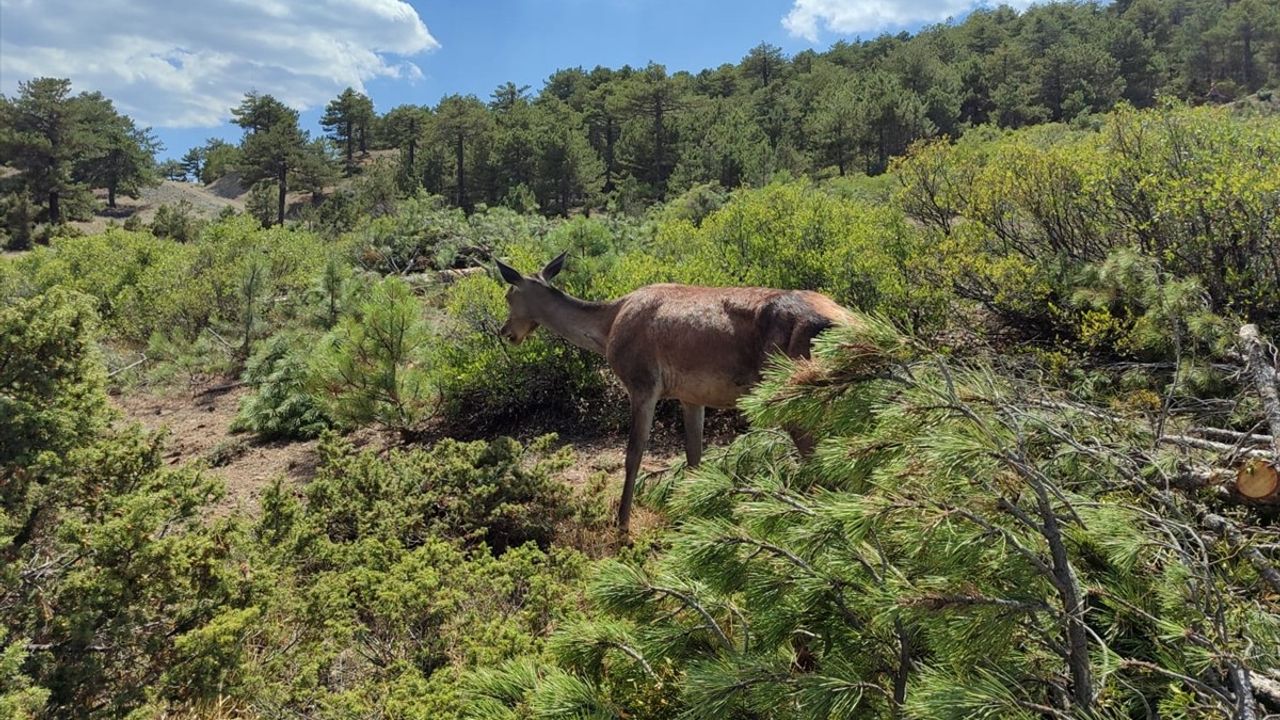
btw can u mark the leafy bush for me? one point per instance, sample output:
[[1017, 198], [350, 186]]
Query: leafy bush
[[793, 236], [497, 493], [487, 384], [51, 384], [17, 215], [144, 284], [178, 222], [1011, 222]]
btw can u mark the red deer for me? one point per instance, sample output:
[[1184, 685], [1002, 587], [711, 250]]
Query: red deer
[[703, 346]]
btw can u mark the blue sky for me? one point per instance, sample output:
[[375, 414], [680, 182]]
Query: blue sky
[[179, 66]]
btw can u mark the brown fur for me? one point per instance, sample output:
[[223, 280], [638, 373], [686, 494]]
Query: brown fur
[[705, 347], [708, 346]]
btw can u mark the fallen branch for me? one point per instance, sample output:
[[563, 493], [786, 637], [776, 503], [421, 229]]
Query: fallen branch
[[1231, 436], [113, 373], [1266, 689], [220, 339], [1264, 379], [1235, 539], [1202, 444], [219, 389]]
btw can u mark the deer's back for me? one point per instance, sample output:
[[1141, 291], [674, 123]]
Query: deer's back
[[709, 345]]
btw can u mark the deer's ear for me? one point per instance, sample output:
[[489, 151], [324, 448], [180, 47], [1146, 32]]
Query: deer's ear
[[554, 267], [509, 273]]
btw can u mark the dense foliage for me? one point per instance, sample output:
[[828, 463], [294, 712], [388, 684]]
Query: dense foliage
[[63, 145], [121, 595], [957, 547]]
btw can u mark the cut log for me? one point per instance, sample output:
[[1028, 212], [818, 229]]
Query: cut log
[[1257, 480], [1266, 690]]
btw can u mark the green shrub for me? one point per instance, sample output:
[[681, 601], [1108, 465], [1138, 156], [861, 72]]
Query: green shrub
[[791, 236], [486, 384], [1011, 221], [497, 493], [263, 203], [18, 216], [281, 405], [144, 284], [374, 366], [51, 383], [178, 222]]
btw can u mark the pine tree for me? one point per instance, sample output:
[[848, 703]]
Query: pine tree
[[193, 162], [461, 125], [273, 145], [648, 143], [566, 170], [961, 544], [120, 156], [404, 127], [347, 118], [41, 134]]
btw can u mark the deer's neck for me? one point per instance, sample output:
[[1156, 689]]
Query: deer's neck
[[585, 324]]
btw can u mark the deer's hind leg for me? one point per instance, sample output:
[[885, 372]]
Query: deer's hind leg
[[642, 406], [693, 421]]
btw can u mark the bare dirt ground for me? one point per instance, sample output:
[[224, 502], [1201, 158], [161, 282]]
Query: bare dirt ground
[[205, 202], [198, 428]]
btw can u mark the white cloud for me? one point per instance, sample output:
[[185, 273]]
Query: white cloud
[[808, 17], [185, 63]]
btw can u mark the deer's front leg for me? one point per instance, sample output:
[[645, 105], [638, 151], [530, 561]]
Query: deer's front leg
[[693, 417], [641, 422]]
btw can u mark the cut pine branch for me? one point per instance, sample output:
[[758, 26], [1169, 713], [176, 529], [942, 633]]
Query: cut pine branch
[[1258, 352], [1230, 450], [1259, 478], [1231, 436]]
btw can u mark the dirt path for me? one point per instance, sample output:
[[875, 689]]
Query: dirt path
[[198, 428]]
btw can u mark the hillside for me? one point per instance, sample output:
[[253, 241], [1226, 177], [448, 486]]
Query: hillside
[[1043, 481], [204, 202]]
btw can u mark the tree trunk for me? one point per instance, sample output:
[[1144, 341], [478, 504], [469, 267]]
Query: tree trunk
[[608, 155], [1247, 64], [1259, 479], [111, 195], [284, 189], [55, 213], [462, 177], [350, 148], [659, 151]]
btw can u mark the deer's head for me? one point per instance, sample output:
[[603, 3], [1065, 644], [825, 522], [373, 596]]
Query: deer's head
[[527, 298]]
